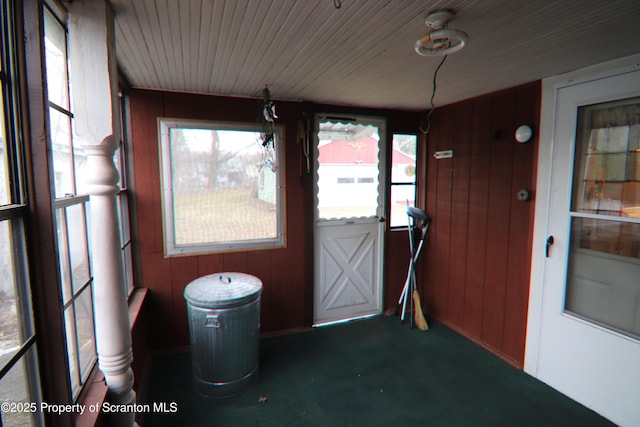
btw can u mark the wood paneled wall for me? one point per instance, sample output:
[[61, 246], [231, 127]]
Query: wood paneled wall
[[474, 273], [285, 298], [287, 274], [477, 261]]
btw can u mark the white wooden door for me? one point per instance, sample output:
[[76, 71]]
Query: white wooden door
[[589, 323], [349, 223]]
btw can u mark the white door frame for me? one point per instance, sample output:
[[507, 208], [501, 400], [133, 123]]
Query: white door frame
[[550, 90]]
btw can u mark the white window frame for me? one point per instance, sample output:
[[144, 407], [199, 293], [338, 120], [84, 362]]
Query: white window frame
[[173, 249], [397, 184]]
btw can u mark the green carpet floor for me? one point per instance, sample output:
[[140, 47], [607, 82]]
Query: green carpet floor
[[373, 372]]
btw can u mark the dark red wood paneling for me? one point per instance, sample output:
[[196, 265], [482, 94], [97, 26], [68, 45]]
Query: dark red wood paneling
[[476, 277], [183, 271], [430, 284], [396, 267], [442, 217], [498, 219], [459, 211], [520, 236], [477, 218], [281, 270]]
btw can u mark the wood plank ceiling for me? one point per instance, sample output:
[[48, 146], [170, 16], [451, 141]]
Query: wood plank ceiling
[[362, 54]]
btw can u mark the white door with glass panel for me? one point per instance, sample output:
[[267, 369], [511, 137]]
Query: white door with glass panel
[[589, 344], [349, 221]]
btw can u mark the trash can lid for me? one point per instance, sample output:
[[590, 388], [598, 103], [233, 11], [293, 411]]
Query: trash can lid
[[223, 290]]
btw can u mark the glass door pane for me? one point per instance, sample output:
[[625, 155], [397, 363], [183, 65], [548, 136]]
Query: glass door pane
[[604, 255], [348, 181]]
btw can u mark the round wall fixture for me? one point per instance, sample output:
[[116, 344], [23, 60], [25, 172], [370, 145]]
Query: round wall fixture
[[524, 133], [440, 40]]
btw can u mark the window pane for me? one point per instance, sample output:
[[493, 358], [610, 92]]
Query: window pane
[[128, 269], [607, 159], [63, 254], [120, 166], [123, 210], [86, 337], [78, 250], [222, 188], [400, 194], [5, 177], [62, 152], [16, 324], [81, 172], [56, 61], [348, 157], [604, 267], [21, 385], [403, 172], [403, 158], [72, 348], [227, 200]]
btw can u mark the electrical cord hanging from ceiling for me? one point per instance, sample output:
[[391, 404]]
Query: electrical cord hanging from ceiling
[[337, 4], [433, 95]]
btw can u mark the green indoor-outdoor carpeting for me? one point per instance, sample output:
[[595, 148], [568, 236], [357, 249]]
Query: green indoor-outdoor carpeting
[[373, 372]]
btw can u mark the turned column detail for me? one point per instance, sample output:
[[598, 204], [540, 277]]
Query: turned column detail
[[113, 336]]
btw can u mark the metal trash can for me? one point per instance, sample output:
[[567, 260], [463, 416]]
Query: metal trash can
[[224, 325]]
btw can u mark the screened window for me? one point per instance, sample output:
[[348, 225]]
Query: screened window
[[403, 177], [222, 187], [19, 380]]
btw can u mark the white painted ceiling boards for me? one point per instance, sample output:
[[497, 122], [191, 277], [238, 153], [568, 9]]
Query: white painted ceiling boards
[[362, 54]]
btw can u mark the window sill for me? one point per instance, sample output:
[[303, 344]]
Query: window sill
[[95, 391]]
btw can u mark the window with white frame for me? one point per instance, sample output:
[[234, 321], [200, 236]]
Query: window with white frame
[[222, 186], [19, 378], [403, 177]]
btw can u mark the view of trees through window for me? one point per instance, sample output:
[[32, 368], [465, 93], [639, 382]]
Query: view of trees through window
[[222, 188]]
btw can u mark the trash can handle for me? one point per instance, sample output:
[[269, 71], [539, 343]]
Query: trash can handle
[[212, 321], [225, 279]]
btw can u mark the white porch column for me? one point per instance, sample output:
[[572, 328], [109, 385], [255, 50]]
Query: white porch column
[[94, 79], [113, 336]]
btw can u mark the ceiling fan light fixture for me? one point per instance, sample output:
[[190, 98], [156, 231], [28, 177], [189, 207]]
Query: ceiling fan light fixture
[[440, 40]]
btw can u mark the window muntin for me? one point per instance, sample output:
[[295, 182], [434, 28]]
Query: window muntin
[[403, 177], [222, 189]]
